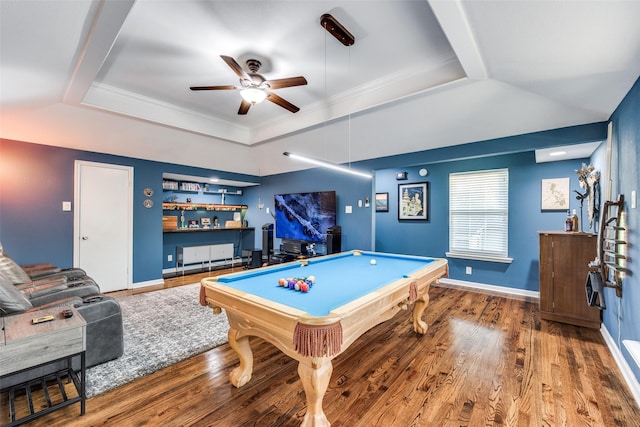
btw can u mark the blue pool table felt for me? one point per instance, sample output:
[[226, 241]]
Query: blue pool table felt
[[339, 278]]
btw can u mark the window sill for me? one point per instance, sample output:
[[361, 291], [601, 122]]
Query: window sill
[[479, 257]]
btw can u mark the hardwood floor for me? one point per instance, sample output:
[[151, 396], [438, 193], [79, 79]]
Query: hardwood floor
[[485, 360]]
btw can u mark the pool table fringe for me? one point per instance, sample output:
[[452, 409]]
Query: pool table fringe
[[413, 291], [318, 340]]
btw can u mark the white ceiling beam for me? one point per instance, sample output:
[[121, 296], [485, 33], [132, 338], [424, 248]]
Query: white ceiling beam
[[102, 34], [455, 25]]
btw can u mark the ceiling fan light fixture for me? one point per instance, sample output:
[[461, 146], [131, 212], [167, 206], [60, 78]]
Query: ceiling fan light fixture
[[253, 95]]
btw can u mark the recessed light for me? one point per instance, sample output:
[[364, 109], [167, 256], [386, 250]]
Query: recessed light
[[213, 179], [557, 153]]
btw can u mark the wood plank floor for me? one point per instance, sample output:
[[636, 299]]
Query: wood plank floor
[[485, 361]]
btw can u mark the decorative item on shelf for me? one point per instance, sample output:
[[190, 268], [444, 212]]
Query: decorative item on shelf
[[243, 213], [568, 223], [182, 218], [169, 185]]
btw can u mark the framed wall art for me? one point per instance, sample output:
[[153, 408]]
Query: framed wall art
[[382, 202], [413, 201], [555, 194]]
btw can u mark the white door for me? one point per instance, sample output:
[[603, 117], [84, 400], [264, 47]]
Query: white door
[[103, 223]]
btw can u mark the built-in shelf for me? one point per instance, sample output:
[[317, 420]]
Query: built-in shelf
[[178, 206]]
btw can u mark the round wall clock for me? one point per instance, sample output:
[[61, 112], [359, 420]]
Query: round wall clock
[[148, 192], [148, 203]]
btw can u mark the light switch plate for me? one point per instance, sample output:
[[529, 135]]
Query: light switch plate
[[66, 206], [348, 209]]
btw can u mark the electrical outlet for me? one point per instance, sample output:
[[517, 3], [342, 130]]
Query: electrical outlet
[[169, 257], [468, 270]]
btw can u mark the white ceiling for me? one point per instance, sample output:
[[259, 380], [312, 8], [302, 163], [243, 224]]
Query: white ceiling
[[114, 76]]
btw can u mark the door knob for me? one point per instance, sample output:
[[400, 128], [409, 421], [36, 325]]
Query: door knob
[[85, 238]]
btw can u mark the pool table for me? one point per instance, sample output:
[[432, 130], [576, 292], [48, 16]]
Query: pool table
[[353, 292]]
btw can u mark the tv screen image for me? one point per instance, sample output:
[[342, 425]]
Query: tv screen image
[[305, 216]]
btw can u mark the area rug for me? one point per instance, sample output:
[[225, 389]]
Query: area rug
[[160, 328]]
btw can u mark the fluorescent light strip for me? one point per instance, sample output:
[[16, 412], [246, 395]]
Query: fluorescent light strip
[[328, 165]]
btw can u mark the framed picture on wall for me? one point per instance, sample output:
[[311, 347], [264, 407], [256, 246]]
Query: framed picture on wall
[[412, 201], [382, 202], [555, 194]]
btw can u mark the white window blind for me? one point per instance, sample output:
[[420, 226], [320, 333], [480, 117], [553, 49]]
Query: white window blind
[[479, 215]]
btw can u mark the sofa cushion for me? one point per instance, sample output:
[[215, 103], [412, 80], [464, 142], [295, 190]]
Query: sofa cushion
[[11, 299], [12, 271]]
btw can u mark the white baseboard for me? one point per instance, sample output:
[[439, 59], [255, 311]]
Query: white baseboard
[[624, 367], [493, 289], [154, 282]]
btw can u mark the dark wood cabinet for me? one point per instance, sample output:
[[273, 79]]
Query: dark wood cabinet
[[564, 264]]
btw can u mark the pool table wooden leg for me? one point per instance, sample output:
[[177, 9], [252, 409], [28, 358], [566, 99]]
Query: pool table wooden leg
[[419, 325], [240, 375], [315, 375]]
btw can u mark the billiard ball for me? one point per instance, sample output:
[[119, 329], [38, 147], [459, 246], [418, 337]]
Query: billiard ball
[[282, 282], [373, 262], [304, 287], [312, 279]]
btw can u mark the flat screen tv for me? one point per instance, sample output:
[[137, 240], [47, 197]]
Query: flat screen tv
[[305, 216]]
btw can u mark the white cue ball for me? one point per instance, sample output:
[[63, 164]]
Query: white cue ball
[[373, 262]]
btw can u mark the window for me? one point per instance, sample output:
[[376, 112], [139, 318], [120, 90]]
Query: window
[[479, 215]]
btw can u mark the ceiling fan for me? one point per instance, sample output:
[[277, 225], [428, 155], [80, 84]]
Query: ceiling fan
[[254, 88]]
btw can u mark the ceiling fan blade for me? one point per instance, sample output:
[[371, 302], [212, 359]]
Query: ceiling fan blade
[[225, 87], [235, 67], [282, 102], [244, 107], [288, 82]]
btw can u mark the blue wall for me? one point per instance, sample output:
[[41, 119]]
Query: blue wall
[[622, 316], [431, 238], [35, 179]]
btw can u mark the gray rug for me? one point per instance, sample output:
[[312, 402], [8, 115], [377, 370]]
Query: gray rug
[[160, 328]]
